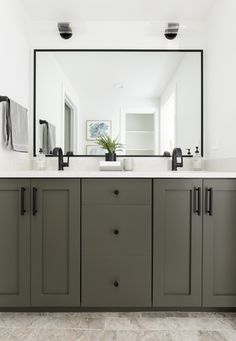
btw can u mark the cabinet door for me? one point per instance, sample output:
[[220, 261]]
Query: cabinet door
[[55, 265], [14, 242], [219, 243], [177, 244]]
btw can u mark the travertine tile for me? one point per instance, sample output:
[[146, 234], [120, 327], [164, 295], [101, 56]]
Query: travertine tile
[[98, 314], [16, 319], [162, 314], [211, 336], [4, 333], [155, 336], [126, 336], [61, 335], [133, 326], [19, 334], [184, 336], [92, 323], [229, 335], [119, 324], [208, 324], [129, 314], [154, 314], [146, 323]]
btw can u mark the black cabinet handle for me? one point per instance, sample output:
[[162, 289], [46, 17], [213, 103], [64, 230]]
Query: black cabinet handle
[[116, 192], [197, 201], [22, 193], [209, 201], [34, 201], [116, 231], [116, 284]]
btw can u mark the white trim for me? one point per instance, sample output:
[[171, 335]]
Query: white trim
[[171, 93], [68, 99]]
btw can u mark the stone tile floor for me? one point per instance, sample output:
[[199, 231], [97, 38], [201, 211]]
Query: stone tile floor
[[152, 326]]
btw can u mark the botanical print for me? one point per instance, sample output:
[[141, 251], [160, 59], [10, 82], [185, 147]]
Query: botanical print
[[94, 150], [96, 129]]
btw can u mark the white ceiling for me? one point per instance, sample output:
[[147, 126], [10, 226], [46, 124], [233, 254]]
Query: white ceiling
[[143, 76], [117, 10]]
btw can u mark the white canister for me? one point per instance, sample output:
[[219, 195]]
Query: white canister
[[128, 164]]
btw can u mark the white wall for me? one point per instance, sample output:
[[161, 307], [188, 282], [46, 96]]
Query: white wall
[[14, 64], [220, 69], [187, 83], [16, 60], [117, 34]]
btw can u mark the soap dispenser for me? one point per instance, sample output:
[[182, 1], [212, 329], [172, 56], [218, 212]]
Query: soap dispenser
[[197, 160], [41, 160]]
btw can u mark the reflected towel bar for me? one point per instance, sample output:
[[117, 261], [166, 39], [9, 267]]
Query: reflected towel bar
[[43, 122], [4, 99]]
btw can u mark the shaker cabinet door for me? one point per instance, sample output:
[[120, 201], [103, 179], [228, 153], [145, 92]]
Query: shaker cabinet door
[[55, 250], [177, 243], [219, 243], [14, 242]]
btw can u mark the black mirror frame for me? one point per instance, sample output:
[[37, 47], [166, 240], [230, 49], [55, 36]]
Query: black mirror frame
[[119, 50]]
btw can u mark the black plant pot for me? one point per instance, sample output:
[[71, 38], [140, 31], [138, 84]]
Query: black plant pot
[[110, 156]]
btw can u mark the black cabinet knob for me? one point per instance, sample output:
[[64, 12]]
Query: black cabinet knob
[[116, 284], [116, 192], [116, 232]]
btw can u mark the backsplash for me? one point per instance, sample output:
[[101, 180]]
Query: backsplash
[[221, 165], [140, 164]]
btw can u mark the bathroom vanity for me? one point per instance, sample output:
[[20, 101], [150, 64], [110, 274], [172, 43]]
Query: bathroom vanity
[[126, 241]]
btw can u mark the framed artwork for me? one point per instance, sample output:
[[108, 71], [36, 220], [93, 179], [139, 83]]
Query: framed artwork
[[94, 150], [96, 128]]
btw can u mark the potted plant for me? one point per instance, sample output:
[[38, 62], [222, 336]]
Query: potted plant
[[111, 145]]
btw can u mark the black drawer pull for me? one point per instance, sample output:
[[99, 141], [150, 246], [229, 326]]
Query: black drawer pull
[[22, 200], [209, 201], [116, 192], [116, 284], [116, 232], [34, 201], [197, 200]]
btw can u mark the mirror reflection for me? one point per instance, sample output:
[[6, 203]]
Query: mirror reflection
[[151, 101]]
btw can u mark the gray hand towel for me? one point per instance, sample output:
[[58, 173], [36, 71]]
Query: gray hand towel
[[19, 127], [49, 138], [6, 124]]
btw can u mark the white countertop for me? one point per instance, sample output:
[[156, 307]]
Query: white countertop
[[116, 174]]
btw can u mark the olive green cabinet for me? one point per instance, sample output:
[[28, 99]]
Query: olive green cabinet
[[55, 242], [219, 243], [135, 243], [177, 243], [116, 243], [14, 242]]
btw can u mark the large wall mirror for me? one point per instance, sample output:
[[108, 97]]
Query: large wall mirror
[[151, 100]]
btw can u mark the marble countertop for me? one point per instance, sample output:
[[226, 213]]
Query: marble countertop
[[116, 174]]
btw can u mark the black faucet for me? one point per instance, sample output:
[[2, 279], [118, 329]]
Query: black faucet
[[177, 159], [61, 164]]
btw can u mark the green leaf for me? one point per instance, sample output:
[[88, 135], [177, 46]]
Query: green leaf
[[109, 144]]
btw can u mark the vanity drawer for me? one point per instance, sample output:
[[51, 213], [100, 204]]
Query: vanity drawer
[[115, 230], [116, 191], [116, 282]]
